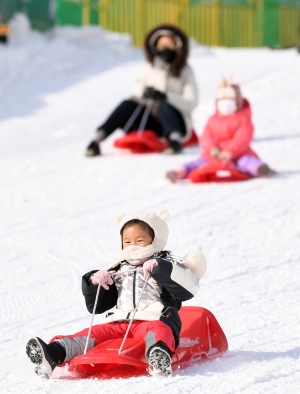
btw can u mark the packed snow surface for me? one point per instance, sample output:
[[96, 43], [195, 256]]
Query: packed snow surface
[[58, 207]]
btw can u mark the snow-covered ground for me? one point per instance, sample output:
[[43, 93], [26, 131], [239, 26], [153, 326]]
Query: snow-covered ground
[[57, 209]]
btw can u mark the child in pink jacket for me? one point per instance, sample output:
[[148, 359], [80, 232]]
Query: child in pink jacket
[[227, 136]]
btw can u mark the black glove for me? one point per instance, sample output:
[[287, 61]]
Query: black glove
[[156, 95]]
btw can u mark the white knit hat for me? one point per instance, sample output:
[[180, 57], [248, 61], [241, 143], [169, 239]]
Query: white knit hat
[[159, 226], [228, 90]]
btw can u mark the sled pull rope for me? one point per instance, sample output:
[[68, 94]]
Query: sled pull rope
[[133, 117], [145, 117], [134, 312], [90, 329]]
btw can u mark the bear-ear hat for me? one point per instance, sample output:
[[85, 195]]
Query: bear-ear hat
[[194, 260], [157, 221]]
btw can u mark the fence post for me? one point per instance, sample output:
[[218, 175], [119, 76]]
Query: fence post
[[216, 23], [140, 24], [102, 13], [266, 22], [86, 12], [270, 23]]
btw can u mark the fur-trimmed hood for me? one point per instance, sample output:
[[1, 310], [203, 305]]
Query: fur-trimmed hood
[[181, 41]]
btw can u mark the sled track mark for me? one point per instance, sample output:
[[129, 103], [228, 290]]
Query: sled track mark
[[26, 305]]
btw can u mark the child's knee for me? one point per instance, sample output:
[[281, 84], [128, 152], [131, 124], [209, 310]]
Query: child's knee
[[160, 332]]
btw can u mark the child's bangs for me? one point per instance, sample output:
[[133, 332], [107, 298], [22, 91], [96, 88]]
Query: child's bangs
[[143, 225]]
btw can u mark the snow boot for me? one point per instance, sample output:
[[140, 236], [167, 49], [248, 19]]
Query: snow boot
[[160, 362], [93, 149], [265, 171], [172, 176], [174, 148], [46, 357]]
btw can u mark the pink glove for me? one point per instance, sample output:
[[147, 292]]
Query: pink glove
[[102, 278], [215, 152], [224, 155], [149, 267]]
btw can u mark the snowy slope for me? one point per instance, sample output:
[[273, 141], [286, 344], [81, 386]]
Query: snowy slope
[[57, 209]]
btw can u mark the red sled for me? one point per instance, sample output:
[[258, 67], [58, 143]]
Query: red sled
[[149, 142], [201, 339], [217, 171]]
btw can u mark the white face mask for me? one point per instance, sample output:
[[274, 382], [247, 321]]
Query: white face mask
[[128, 255], [226, 106], [132, 248]]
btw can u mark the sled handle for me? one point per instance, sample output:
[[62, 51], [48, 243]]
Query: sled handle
[[133, 117], [124, 273], [134, 312], [90, 329], [145, 117], [95, 305]]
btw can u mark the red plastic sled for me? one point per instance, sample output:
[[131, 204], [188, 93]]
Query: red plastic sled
[[201, 338], [218, 171], [148, 142]]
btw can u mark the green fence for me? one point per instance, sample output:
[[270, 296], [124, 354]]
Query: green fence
[[232, 23], [40, 12]]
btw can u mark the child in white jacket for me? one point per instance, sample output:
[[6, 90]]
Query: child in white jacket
[[169, 281]]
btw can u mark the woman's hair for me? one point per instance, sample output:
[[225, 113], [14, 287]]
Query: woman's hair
[[180, 60], [143, 225]]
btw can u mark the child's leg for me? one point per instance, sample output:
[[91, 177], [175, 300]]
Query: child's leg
[[160, 344], [75, 344], [254, 166], [65, 348], [183, 171], [154, 332]]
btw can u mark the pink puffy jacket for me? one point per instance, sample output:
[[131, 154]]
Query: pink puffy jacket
[[232, 133]]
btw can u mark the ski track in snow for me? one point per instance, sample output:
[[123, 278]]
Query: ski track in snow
[[57, 209]]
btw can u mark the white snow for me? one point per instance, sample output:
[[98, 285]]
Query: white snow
[[57, 209]]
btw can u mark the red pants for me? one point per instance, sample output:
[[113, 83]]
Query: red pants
[[151, 331]]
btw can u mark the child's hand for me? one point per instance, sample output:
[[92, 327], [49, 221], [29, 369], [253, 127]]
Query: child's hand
[[215, 152], [149, 267], [224, 155], [102, 278]]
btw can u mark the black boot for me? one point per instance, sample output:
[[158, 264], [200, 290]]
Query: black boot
[[93, 149], [174, 148], [46, 357], [160, 361]]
